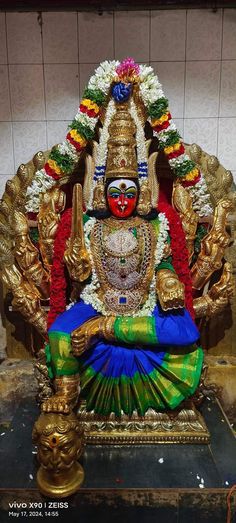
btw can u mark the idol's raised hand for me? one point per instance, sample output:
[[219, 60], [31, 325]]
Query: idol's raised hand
[[76, 255], [170, 290]]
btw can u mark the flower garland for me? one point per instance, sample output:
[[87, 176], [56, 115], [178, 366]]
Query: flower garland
[[58, 278], [89, 293], [170, 141], [179, 251], [162, 237], [101, 156], [63, 158]]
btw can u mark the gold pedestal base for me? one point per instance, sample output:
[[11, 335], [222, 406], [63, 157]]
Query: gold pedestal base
[[182, 426], [60, 485]]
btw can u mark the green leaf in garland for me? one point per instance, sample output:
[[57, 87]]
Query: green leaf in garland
[[95, 95], [34, 234], [63, 160], [158, 108], [172, 138], [201, 232], [82, 129], [184, 168]]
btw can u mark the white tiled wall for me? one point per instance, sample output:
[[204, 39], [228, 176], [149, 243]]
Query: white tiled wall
[[46, 60]]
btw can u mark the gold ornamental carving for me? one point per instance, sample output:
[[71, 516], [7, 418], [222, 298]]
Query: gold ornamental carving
[[183, 203], [121, 156], [59, 439], [76, 256], [183, 426], [52, 204], [213, 246]]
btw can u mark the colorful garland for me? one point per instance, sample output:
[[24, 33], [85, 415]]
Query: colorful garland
[[122, 76]]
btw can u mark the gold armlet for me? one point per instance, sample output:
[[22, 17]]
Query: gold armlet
[[68, 386], [27, 256], [164, 274], [183, 204], [47, 249], [106, 328], [202, 306], [202, 271]]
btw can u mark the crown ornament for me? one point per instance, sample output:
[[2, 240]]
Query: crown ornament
[[121, 154]]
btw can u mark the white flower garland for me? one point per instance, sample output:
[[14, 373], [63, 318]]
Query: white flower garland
[[151, 91], [89, 293], [67, 148], [101, 154], [101, 79], [84, 119], [162, 237], [103, 76], [150, 87], [102, 147], [200, 198], [40, 184]]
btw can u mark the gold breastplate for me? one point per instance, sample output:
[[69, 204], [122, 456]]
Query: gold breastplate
[[123, 255]]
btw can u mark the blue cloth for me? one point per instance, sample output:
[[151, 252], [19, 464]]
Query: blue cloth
[[73, 318], [115, 360], [175, 328]]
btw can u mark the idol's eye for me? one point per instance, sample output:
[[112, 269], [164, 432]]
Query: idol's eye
[[130, 193], [113, 192], [114, 195], [130, 196]]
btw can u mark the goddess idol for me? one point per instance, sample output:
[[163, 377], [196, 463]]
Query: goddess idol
[[129, 340], [128, 264]]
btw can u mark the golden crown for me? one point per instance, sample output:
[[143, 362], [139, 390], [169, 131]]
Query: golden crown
[[121, 155]]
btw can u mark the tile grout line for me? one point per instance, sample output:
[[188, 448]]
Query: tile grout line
[[44, 77], [175, 117], [114, 40], [220, 84], [185, 71], [151, 61], [10, 96], [150, 34], [78, 51]]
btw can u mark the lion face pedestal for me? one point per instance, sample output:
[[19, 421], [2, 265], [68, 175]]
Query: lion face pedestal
[[60, 443]]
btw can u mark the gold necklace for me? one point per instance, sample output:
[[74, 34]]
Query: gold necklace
[[114, 223]]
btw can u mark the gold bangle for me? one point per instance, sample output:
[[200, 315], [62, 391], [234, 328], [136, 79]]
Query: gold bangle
[[108, 328]]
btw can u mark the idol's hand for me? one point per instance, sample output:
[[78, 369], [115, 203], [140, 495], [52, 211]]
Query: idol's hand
[[87, 334], [170, 290], [77, 261], [51, 205], [84, 336], [76, 255]]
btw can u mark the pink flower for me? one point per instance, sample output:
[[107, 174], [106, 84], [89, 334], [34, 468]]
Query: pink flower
[[128, 70]]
